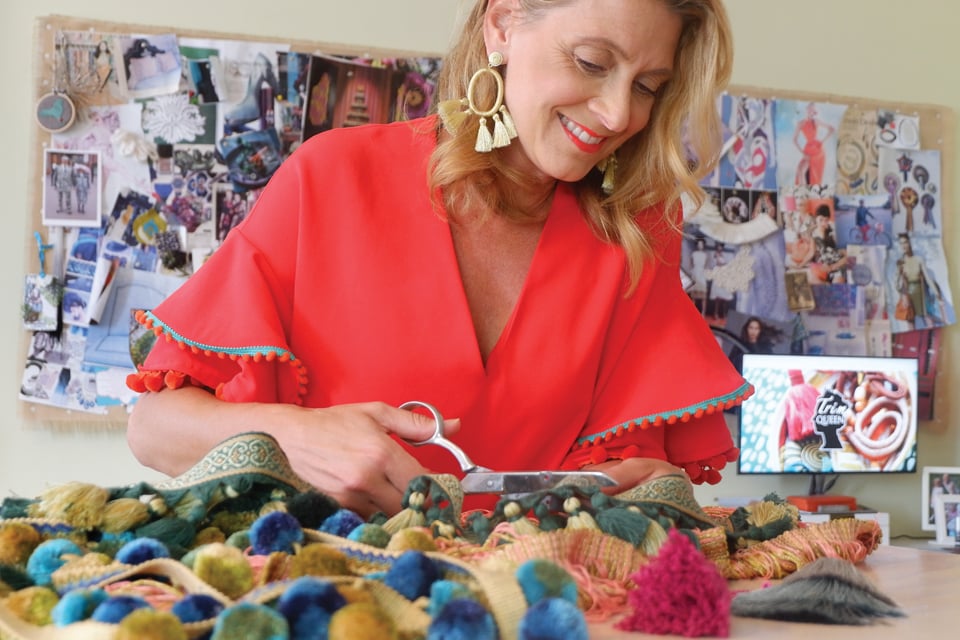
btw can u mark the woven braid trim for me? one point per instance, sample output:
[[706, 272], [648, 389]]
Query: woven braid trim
[[243, 453], [142, 381]]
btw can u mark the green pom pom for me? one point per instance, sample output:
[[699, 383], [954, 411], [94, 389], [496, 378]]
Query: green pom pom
[[224, 568], [412, 539], [33, 604], [150, 624], [248, 621], [17, 542], [361, 621], [319, 560], [372, 534]]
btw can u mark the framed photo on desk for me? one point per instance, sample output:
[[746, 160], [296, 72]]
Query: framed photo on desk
[[937, 481], [945, 518]]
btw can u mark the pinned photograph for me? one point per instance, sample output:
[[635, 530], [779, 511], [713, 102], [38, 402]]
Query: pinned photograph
[[71, 188]]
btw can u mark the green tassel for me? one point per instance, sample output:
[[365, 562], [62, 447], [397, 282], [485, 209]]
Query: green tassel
[[176, 533], [624, 523]]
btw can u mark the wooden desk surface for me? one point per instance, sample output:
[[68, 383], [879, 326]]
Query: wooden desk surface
[[924, 583]]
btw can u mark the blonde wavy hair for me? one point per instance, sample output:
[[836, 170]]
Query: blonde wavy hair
[[679, 145]]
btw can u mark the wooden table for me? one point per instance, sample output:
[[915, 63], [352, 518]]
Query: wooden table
[[926, 585]]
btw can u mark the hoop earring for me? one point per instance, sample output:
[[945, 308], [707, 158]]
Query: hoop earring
[[453, 112], [609, 168]]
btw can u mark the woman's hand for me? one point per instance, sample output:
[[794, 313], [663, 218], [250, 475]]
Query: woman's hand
[[347, 452], [633, 471]]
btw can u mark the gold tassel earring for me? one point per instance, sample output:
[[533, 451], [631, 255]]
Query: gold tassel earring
[[609, 168], [453, 112]]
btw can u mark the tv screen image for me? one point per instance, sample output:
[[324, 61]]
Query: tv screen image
[[828, 415]]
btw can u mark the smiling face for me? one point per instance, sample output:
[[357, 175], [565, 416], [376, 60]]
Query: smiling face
[[581, 79]]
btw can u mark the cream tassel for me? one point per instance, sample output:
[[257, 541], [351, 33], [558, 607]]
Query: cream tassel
[[500, 136], [484, 139], [508, 122]]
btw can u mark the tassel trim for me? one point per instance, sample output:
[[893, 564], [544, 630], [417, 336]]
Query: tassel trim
[[142, 381]]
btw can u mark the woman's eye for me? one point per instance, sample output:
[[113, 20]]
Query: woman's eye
[[588, 66], [643, 89]]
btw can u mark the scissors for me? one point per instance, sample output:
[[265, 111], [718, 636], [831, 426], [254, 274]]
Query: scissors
[[479, 479]]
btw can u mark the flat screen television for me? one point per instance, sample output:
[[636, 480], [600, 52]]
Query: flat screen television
[[828, 415]]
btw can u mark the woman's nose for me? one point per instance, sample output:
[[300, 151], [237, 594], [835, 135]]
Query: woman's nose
[[613, 106]]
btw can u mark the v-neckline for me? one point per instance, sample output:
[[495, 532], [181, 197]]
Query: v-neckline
[[558, 208]]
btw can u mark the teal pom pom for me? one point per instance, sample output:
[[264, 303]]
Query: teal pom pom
[[553, 619], [248, 621], [307, 604], [141, 550], [463, 619], [412, 574], [116, 608], [540, 579], [371, 534], [275, 531], [76, 605], [197, 607], [239, 539], [48, 557], [442, 592], [341, 523]]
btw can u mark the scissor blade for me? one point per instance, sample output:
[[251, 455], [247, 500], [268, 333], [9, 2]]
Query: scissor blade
[[518, 482]]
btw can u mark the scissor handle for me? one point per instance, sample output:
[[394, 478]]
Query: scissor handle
[[466, 464]]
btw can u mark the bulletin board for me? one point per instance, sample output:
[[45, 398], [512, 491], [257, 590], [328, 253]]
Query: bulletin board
[[936, 133], [48, 74]]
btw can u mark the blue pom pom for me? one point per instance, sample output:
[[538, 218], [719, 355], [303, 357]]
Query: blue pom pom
[[412, 574], [462, 619], [442, 592], [307, 604], [48, 557], [197, 607], [275, 531], [341, 523], [141, 550], [76, 605], [541, 579], [553, 619], [116, 608]]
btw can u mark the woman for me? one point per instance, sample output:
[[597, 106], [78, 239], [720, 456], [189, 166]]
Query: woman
[[914, 281], [808, 139], [397, 262], [698, 271]]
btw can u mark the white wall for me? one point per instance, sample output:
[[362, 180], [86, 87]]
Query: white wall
[[879, 49]]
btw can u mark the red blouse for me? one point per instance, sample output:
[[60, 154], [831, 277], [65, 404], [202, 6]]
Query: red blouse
[[342, 286]]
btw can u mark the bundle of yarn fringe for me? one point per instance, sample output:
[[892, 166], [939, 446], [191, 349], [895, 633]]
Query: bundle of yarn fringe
[[240, 547]]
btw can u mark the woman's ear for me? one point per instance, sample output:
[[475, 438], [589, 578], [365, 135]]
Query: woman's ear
[[497, 20]]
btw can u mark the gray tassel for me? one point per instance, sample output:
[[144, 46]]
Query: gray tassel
[[826, 591]]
